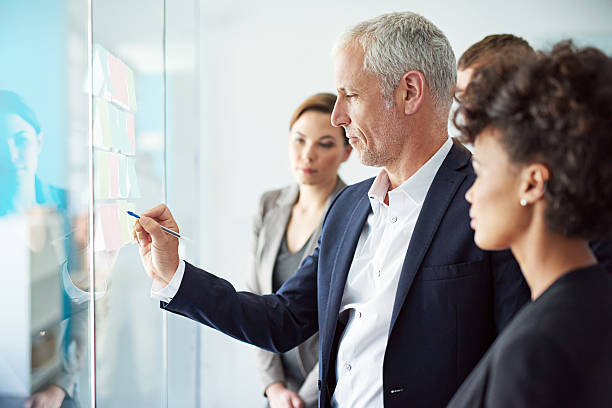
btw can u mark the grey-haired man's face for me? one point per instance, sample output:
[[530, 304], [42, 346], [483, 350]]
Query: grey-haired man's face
[[373, 131], [464, 76]]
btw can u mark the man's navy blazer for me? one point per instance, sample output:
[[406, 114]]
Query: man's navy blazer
[[452, 298]]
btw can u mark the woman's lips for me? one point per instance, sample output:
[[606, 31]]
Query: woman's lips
[[473, 223], [308, 171]]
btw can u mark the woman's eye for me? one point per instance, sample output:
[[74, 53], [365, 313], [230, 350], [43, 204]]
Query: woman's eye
[[326, 145]]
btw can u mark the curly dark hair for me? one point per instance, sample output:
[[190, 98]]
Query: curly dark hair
[[555, 109]]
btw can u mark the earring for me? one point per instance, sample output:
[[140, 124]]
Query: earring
[[523, 202]]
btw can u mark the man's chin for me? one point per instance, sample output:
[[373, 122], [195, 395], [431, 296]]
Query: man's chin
[[367, 159]]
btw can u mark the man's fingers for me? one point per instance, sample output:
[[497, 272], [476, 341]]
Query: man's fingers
[[143, 238], [161, 213], [151, 228]]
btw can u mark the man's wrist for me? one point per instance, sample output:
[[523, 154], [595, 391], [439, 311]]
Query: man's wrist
[[165, 291]]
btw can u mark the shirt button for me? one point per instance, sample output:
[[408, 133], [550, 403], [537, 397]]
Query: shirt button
[[393, 219], [379, 273], [347, 366], [359, 315]]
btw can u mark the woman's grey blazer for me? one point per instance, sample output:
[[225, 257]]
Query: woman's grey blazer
[[269, 227]]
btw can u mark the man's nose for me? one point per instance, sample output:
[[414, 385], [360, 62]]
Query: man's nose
[[339, 116]]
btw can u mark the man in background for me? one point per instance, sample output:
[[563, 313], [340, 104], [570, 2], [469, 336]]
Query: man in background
[[487, 50]]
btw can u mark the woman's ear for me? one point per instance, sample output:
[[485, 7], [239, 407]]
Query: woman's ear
[[534, 178], [411, 91]]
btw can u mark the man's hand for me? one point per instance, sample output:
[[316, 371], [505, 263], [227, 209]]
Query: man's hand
[[158, 249], [52, 397], [281, 397]]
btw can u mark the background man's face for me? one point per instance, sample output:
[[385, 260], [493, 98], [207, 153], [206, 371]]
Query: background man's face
[[464, 76], [373, 131], [19, 148]]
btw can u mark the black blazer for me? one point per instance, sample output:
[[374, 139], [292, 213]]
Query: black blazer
[[452, 298], [557, 352]]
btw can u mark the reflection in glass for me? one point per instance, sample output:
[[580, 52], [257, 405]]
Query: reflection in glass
[[44, 250]]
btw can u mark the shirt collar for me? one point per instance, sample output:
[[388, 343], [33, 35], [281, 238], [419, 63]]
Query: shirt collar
[[416, 186]]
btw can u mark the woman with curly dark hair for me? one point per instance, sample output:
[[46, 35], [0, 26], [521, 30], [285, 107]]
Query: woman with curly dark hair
[[542, 134]]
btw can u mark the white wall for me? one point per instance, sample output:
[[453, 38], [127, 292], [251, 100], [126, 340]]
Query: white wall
[[258, 61]]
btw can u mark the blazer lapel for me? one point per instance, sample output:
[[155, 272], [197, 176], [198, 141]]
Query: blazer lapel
[[442, 190], [314, 238], [273, 229], [344, 257]]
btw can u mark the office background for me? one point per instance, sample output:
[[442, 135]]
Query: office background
[[215, 83]]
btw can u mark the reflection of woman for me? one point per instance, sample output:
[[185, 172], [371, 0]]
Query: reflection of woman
[[23, 192], [20, 144], [543, 188], [286, 229]]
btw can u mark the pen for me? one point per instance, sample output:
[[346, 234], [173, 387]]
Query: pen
[[166, 230]]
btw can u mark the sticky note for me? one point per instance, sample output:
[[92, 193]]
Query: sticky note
[[99, 242], [113, 166], [111, 229], [118, 77], [126, 222], [131, 90], [123, 176], [98, 74], [132, 178], [101, 174], [118, 128], [131, 133], [105, 88], [101, 125]]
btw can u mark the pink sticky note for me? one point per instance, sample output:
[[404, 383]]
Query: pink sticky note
[[113, 164], [131, 131], [118, 76], [111, 228]]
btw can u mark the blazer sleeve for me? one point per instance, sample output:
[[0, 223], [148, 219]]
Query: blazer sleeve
[[269, 365], [276, 322], [510, 291]]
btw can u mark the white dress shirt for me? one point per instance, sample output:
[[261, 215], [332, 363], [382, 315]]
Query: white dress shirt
[[371, 285], [369, 293]]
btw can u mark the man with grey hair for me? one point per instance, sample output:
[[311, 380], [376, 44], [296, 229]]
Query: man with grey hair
[[404, 302]]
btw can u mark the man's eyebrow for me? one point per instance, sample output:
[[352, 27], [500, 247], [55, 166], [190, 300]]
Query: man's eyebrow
[[352, 89]]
